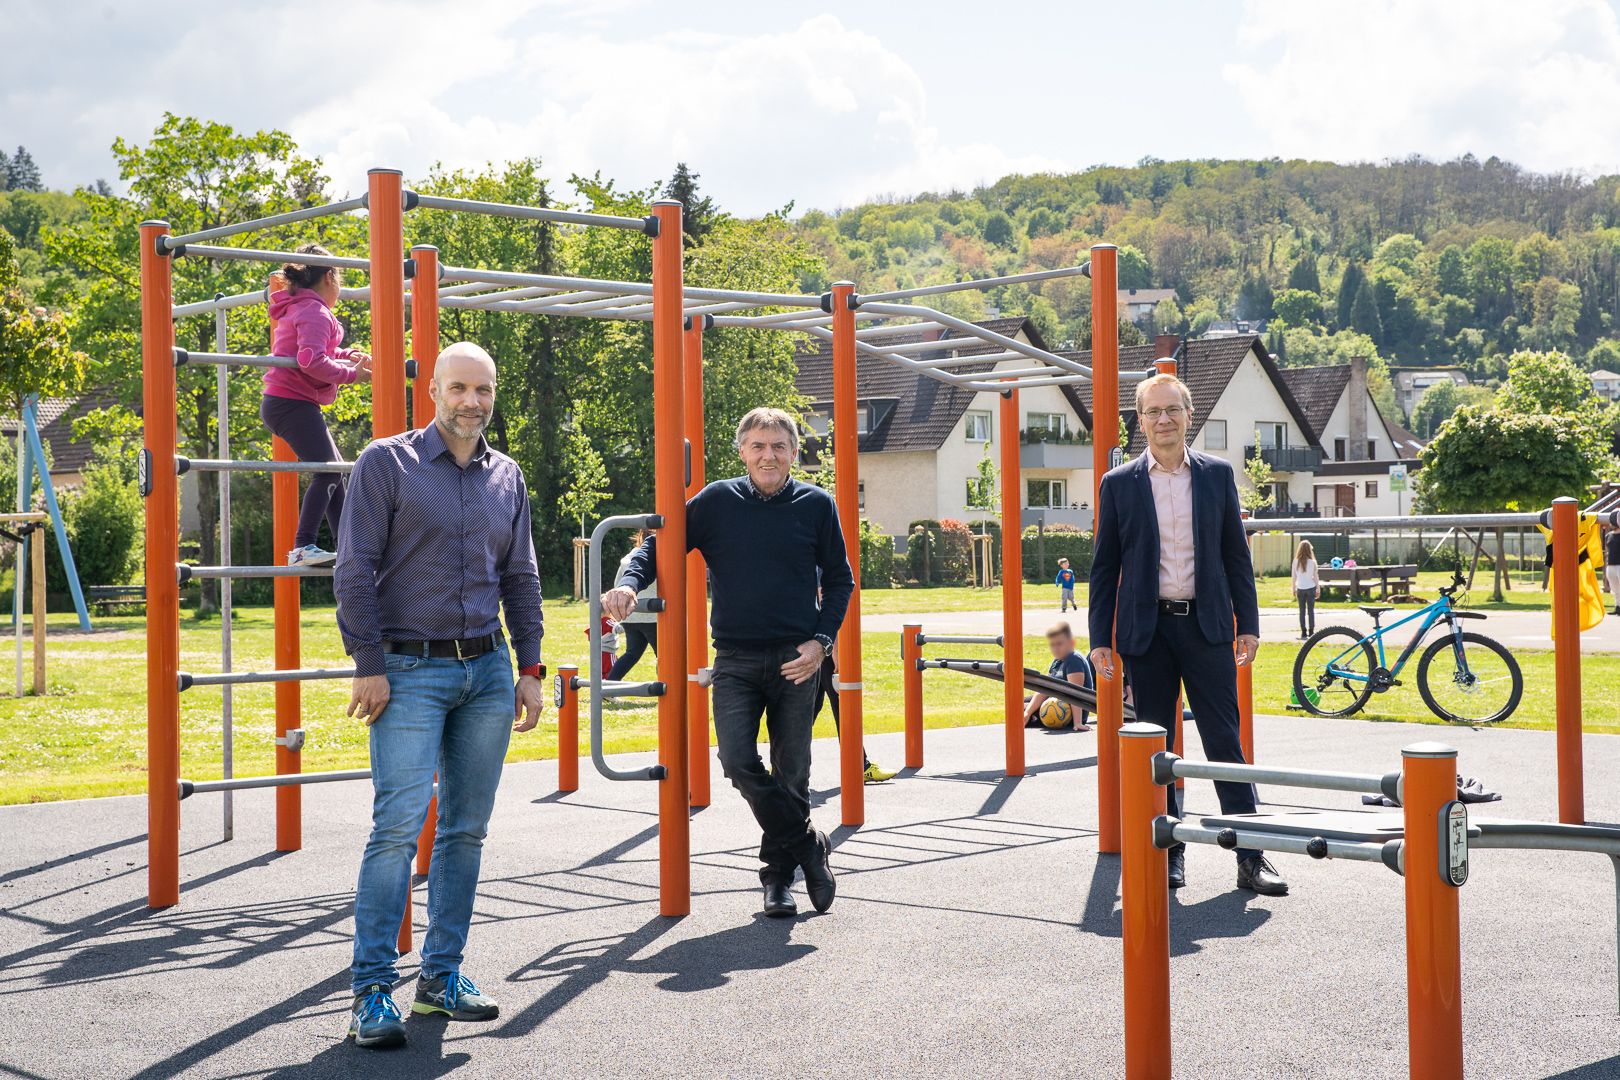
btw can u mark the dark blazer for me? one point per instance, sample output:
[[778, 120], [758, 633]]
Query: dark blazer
[[1125, 560]]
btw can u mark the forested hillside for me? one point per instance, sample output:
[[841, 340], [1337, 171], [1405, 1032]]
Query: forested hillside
[[1436, 263]]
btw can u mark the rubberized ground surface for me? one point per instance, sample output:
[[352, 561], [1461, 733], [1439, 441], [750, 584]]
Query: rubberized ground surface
[[975, 934]]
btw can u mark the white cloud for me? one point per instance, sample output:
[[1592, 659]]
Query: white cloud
[[1538, 84], [821, 112]]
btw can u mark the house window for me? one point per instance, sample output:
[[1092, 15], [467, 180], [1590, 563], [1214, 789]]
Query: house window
[[1048, 494], [1054, 424], [1372, 489], [978, 427], [1214, 434], [863, 420], [819, 422], [1271, 435], [1341, 448], [1372, 449], [1279, 497]]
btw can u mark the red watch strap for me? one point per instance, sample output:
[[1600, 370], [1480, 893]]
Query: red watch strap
[[535, 670]]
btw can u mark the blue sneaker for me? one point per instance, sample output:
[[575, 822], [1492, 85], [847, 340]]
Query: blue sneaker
[[374, 1021], [455, 996], [310, 555]]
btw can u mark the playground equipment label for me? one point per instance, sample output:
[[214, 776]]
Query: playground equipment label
[[1397, 478]]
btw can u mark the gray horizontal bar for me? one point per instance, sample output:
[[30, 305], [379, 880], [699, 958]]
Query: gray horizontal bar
[[1293, 845], [234, 678], [1416, 521], [987, 283], [1260, 774], [257, 255], [533, 213], [185, 356], [214, 465], [169, 243], [632, 689], [1545, 836], [198, 787], [950, 639], [258, 571], [966, 665]]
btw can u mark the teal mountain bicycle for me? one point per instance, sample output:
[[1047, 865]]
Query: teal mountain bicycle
[[1464, 677]]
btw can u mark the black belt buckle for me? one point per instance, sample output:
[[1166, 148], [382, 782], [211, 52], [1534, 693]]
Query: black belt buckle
[[1175, 607]]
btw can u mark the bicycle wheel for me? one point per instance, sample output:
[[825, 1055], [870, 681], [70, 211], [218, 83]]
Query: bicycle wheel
[[1331, 672], [1475, 683]]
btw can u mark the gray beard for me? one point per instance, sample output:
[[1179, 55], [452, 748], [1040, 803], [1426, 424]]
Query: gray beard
[[453, 424]]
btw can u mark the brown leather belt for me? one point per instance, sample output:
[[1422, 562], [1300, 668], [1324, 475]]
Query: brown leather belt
[[452, 649]]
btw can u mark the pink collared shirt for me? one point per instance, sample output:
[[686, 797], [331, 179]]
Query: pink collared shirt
[[1172, 502]]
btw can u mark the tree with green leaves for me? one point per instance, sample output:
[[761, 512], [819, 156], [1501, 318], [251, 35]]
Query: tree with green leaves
[[37, 358], [1364, 313], [1451, 272], [20, 173], [1296, 307], [1350, 283], [1441, 400], [698, 216], [1259, 493], [984, 490], [1304, 276], [196, 175]]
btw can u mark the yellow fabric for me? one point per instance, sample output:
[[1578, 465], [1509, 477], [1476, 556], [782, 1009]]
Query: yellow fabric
[[1589, 555]]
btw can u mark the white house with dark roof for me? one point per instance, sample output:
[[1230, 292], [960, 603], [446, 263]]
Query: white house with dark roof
[[921, 440]]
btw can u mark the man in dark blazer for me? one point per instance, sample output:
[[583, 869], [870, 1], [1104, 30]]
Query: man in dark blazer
[[1172, 585]]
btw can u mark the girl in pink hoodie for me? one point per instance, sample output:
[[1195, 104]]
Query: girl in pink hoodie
[[306, 329]]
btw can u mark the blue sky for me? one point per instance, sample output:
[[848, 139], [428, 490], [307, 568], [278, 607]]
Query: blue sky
[[827, 104]]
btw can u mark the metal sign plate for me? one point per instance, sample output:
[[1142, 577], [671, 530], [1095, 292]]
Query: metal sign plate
[[1397, 478], [1116, 457], [1454, 843], [557, 690]]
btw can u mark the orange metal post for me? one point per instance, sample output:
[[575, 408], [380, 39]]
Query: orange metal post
[[669, 435], [1433, 933], [568, 731], [1567, 660], [1104, 452], [1245, 689], [1012, 585], [846, 466], [386, 225], [911, 677], [430, 829], [1145, 907], [697, 577], [1180, 740], [162, 584], [288, 592], [424, 330]]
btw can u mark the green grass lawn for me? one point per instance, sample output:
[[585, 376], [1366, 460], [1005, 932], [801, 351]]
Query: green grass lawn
[[87, 736]]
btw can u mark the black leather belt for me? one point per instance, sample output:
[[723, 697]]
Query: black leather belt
[[1175, 607], [462, 649]]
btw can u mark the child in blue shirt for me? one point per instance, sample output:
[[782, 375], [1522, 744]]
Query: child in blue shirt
[[1068, 664], [1065, 583]]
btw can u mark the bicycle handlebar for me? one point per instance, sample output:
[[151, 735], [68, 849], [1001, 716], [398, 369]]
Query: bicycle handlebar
[[1456, 583]]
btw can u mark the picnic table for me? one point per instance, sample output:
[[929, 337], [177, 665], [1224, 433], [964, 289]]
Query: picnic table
[[1359, 579]]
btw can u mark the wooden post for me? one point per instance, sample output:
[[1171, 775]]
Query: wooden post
[[39, 609]]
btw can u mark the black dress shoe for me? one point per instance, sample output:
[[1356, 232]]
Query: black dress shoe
[[1258, 875], [819, 882], [779, 903], [1178, 866]]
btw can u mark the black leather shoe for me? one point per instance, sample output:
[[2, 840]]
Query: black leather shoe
[[1178, 866], [779, 903], [819, 882], [1258, 875]]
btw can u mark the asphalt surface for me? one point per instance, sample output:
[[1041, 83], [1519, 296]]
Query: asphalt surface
[[976, 933], [1516, 630]]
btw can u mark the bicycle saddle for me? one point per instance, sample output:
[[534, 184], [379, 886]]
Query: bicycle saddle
[[1375, 610]]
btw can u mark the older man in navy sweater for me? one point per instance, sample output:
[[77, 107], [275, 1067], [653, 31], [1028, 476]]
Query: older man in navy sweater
[[769, 541]]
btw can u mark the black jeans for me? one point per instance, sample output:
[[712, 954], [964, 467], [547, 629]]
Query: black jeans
[[748, 685], [637, 636], [302, 426], [1177, 657], [1307, 610]]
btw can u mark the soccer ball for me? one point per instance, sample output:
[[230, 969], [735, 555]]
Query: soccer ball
[[1056, 713]]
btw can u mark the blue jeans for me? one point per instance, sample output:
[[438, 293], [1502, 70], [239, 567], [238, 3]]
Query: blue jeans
[[455, 717]]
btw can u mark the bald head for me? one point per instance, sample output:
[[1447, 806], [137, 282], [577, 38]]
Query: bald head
[[463, 390]]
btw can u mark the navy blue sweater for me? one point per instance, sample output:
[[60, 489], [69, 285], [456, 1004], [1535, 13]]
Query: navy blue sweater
[[766, 557]]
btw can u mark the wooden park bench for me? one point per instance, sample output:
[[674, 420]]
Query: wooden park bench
[[1359, 579], [106, 596]]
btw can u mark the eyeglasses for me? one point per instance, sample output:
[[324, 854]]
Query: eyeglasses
[[1174, 412]]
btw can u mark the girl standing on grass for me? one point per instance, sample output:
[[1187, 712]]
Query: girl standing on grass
[[301, 300], [1307, 587]]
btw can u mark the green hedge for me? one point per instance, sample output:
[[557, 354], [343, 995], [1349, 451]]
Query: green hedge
[[950, 551], [1062, 542], [877, 557]]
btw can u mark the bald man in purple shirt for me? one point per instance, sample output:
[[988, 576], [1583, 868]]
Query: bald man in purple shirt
[[434, 540]]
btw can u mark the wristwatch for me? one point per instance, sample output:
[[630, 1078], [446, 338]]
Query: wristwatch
[[825, 641]]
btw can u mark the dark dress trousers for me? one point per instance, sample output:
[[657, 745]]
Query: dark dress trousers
[[1164, 652]]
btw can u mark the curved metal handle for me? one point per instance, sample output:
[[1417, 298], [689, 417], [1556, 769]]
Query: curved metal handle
[[593, 560]]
